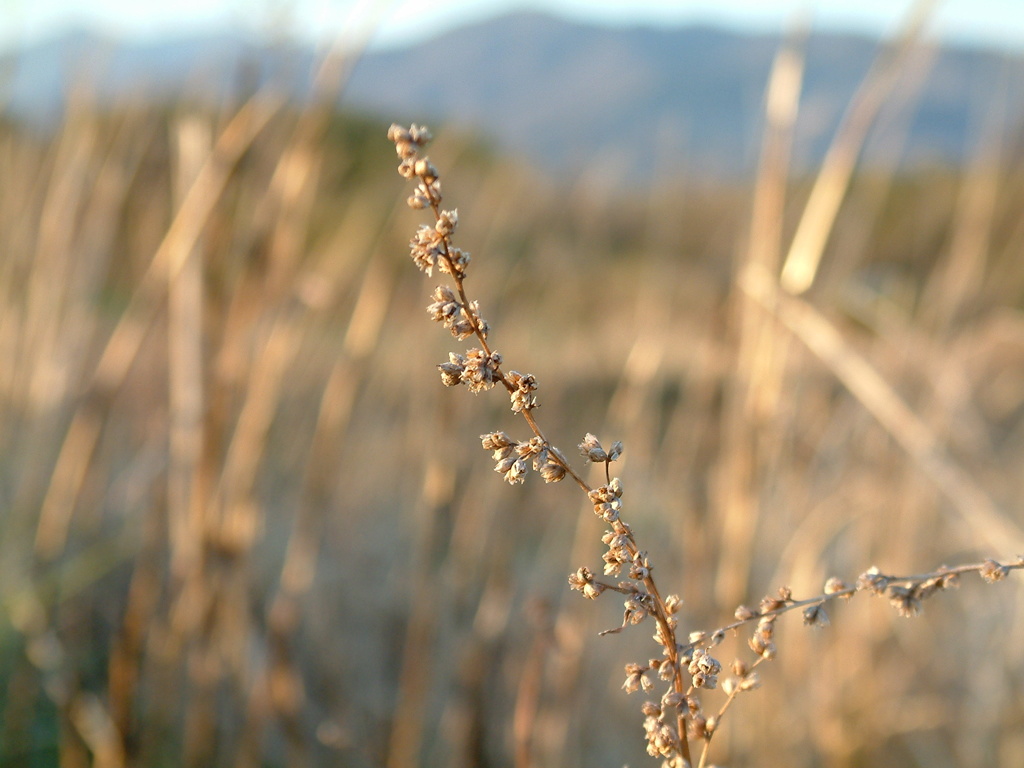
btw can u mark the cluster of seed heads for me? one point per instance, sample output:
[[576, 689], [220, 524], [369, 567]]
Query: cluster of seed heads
[[512, 459], [685, 670]]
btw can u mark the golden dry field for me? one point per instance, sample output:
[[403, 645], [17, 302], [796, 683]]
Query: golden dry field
[[242, 523]]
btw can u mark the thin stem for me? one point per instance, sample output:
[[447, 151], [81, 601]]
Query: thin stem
[[729, 699], [660, 612], [885, 582]]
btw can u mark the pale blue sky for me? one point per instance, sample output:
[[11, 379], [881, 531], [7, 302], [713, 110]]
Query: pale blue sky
[[999, 22]]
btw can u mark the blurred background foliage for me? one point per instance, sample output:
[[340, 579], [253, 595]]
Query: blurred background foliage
[[241, 522]]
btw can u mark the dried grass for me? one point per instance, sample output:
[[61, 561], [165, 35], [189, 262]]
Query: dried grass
[[238, 527]]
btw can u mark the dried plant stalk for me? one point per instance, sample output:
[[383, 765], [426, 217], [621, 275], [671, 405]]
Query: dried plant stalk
[[481, 369], [677, 721]]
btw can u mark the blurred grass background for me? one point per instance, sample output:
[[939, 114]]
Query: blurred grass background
[[243, 524]]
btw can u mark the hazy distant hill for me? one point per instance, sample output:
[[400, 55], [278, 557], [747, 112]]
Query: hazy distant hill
[[639, 100]]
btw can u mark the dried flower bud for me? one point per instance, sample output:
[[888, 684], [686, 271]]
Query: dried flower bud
[[525, 384], [635, 678], [429, 191], [583, 582], [992, 571], [745, 613], [462, 322], [615, 451], [408, 142], [496, 440], [704, 680], [405, 168], [672, 699], [609, 512], [503, 461], [872, 580], [416, 135], [705, 662], [579, 579], [419, 134], [637, 608], [445, 306], [615, 540], [397, 133], [904, 600], [501, 454], [663, 741], [426, 248], [640, 568], [447, 221], [672, 604], [815, 616], [769, 604], [666, 670], [535, 446], [516, 473], [593, 590], [929, 587], [763, 641], [834, 585], [457, 262], [612, 563], [769, 652], [592, 450], [481, 370], [551, 472], [425, 170], [704, 668], [451, 372], [650, 709], [750, 682]]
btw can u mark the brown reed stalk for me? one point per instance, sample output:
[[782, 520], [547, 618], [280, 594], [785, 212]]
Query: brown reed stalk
[[988, 525], [121, 349], [283, 687], [752, 396], [800, 267], [687, 669]]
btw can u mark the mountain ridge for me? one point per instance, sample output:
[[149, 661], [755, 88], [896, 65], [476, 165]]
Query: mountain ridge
[[647, 101]]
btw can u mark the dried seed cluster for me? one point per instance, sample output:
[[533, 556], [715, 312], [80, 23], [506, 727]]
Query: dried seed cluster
[[479, 368], [906, 594], [670, 723], [463, 322], [512, 459], [684, 669]]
